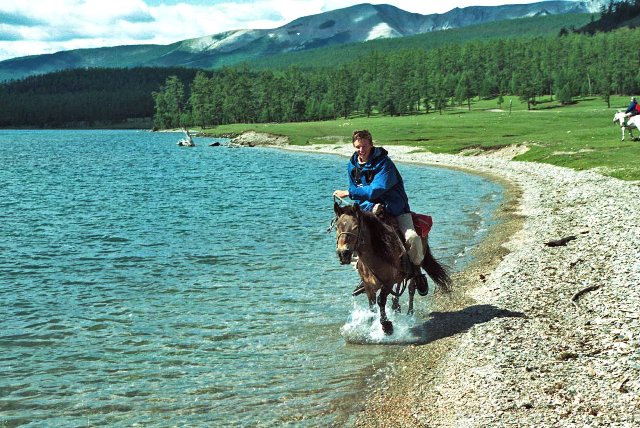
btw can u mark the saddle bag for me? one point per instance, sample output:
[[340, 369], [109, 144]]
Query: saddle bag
[[422, 223]]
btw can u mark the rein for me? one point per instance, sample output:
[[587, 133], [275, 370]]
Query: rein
[[400, 287]]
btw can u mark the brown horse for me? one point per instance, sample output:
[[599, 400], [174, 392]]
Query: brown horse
[[381, 255]]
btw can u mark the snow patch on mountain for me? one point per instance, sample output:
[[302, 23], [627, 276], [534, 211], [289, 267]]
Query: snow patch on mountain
[[382, 31], [219, 41]]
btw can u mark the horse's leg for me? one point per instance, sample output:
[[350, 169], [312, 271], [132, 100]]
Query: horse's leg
[[412, 292], [371, 295], [622, 127], [387, 326], [395, 300], [369, 283]]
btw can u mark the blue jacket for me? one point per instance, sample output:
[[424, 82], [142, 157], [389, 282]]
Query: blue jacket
[[377, 182], [632, 106]]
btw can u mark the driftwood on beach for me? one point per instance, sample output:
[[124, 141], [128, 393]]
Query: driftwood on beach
[[560, 242]]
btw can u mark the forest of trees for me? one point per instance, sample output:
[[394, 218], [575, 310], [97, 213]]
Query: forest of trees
[[84, 97], [410, 81], [612, 16]]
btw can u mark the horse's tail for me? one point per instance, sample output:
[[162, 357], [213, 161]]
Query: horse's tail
[[436, 270]]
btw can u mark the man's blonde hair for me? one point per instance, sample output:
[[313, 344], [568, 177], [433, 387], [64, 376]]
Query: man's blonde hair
[[361, 135]]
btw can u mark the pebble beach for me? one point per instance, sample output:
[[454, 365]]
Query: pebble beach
[[543, 329]]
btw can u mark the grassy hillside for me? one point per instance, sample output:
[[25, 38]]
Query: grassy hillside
[[580, 136], [525, 27]]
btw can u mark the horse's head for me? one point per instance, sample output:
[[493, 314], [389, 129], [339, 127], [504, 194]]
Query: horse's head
[[348, 228], [619, 117]]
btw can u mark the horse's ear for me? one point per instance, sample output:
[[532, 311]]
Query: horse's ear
[[337, 209]]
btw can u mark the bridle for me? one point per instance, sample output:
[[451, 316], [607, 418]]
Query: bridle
[[356, 235]]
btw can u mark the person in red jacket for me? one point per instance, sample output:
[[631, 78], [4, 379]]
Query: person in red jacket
[[633, 108]]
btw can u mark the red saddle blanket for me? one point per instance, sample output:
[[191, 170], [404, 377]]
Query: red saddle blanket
[[422, 223]]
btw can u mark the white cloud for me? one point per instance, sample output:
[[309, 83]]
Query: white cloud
[[47, 26]]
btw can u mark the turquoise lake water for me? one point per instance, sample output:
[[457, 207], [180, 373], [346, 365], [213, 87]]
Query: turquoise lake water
[[146, 284]]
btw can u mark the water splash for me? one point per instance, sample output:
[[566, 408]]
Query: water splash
[[363, 327]]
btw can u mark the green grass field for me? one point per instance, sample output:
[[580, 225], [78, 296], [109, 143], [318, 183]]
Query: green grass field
[[579, 136]]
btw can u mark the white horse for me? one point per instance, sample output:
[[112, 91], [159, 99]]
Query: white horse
[[632, 123]]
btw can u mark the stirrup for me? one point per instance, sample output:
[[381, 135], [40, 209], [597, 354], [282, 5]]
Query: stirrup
[[358, 290], [421, 283]]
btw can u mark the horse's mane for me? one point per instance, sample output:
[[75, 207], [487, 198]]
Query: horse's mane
[[384, 240]]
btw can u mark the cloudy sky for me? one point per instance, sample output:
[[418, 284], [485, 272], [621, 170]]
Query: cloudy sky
[[29, 27]]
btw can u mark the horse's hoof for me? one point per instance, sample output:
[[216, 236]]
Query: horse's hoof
[[387, 327]]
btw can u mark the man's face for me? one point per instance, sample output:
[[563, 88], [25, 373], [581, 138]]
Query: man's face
[[363, 147]]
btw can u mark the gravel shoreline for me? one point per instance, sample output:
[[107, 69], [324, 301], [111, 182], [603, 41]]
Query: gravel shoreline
[[534, 335]]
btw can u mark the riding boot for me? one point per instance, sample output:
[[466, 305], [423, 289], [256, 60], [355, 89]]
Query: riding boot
[[358, 290]]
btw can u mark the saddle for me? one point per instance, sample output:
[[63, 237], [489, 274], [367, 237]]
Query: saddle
[[422, 223]]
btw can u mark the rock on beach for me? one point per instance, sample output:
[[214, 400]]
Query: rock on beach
[[253, 138], [534, 335]]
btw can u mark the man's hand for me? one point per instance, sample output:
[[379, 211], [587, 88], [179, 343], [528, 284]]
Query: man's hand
[[341, 194]]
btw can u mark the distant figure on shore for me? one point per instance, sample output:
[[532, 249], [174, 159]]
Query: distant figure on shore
[[633, 108]]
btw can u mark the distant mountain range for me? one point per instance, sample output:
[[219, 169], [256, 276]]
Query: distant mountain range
[[353, 24]]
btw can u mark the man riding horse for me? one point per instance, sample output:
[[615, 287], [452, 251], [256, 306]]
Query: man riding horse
[[376, 185], [633, 108], [629, 119]]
